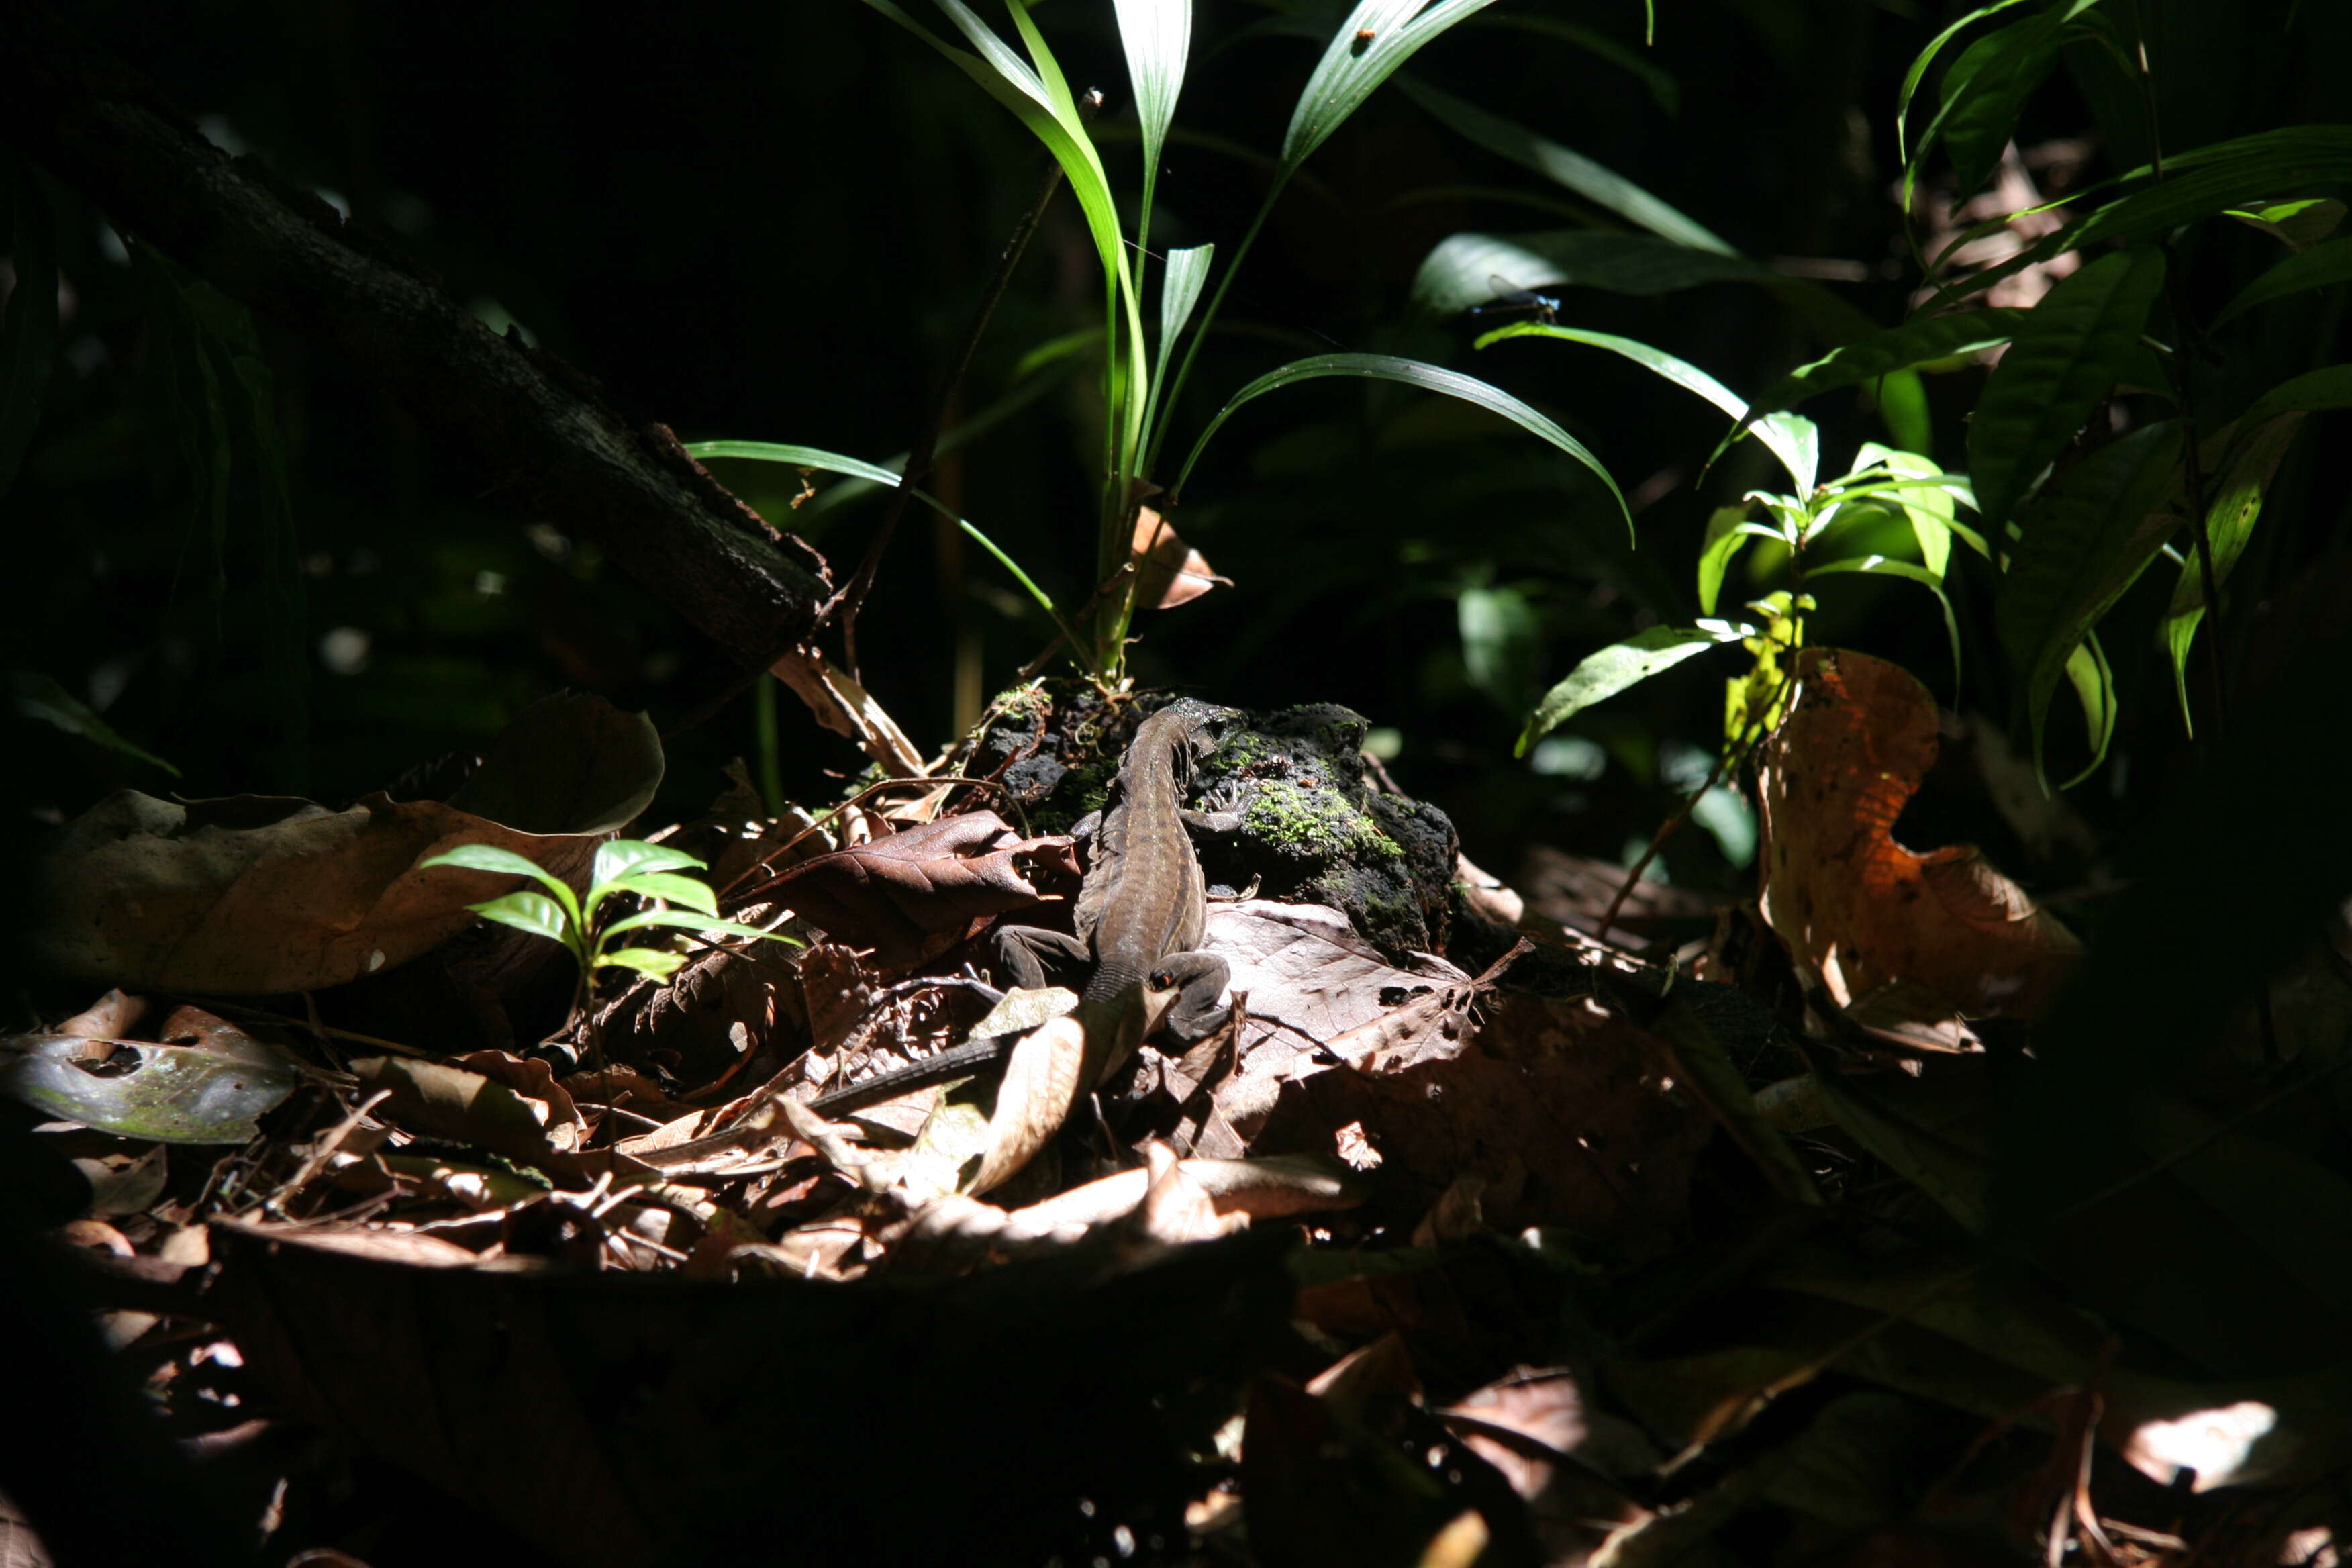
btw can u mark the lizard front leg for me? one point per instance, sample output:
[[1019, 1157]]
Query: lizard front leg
[[1022, 953], [1198, 980]]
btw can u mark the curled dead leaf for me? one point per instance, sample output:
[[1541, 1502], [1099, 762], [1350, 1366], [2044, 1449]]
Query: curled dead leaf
[[1854, 906], [1170, 572]]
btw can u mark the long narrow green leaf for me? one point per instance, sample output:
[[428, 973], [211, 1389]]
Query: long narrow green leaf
[[1794, 440], [28, 333], [2061, 365], [1664, 89], [834, 463], [2237, 502], [1601, 187], [2087, 540], [40, 696], [1411, 372], [1725, 538], [489, 858], [1461, 269], [2319, 267], [1157, 38], [1180, 289], [1986, 90], [1603, 675], [1378, 38]]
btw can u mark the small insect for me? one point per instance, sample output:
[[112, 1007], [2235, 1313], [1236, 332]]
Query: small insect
[[1510, 300], [1364, 36]]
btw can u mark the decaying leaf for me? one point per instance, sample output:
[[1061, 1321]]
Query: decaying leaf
[[1170, 572], [912, 895], [206, 1092], [1853, 905], [257, 894]]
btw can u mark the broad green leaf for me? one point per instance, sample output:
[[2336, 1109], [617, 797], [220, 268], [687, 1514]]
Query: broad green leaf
[[1601, 187], [169, 1094], [2087, 537], [1794, 440], [2202, 183], [2094, 690], [1921, 340], [534, 912], [40, 696], [2061, 365], [1925, 58], [1157, 35], [667, 885], [29, 331], [2314, 391], [645, 959], [1604, 674], [2295, 225], [1910, 572], [489, 857], [1501, 650], [1180, 289], [2237, 502], [1984, 91], [1411, 372], [1378, 38], [1459, 272], [621, 857], [2321, 266], [1724, 539]]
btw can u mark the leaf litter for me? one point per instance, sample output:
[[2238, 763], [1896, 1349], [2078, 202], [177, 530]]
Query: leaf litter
[[1527, 1247]]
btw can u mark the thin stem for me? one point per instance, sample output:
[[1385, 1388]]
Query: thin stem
[[919, 456]]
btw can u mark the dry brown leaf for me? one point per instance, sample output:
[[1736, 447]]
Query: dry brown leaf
[[442, 1101], [1853, 905], [1170, 572], [910, 897], [256, 894]]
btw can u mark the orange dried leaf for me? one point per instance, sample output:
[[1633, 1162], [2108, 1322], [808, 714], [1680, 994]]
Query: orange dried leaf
[[1172, 571], [1853, 905]]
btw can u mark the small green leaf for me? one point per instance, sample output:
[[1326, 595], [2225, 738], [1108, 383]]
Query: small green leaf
[[28, 331], [40, 696], [1794, 440], [667, 885], [2094, 688], [1925, 58], [2060, 366], [534, 912], [1723, 540], [645, 959], [2313, 392], [1603, 187], [1180, 289], [1411, 372], [1929, 505], [621, 857], [1604, 674], [2321, 266], [2086, 539], [2237, 502], [489, 858]]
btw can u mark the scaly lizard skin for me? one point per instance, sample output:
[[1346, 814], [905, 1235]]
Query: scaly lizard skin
[[1140, 911]]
